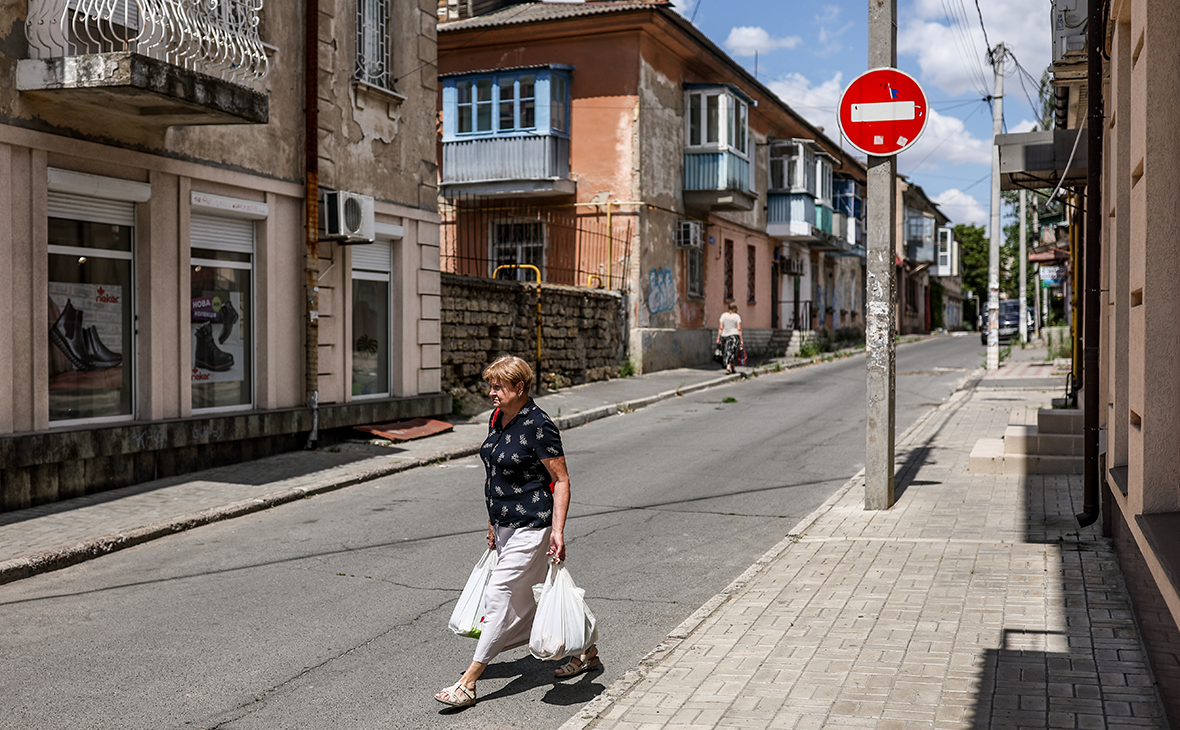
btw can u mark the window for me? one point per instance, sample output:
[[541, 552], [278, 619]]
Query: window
[[526, 102], [728, 270], [514, 243], [751, 271], [717, 119], [90, 308], [793, 167], [371, 267], [823, 180], [372, 54], [696, 277], [919, 227], [221, 311]]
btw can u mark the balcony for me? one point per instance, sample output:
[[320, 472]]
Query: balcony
[[717, 180], [797, 217], [520, 166], [159, 62]]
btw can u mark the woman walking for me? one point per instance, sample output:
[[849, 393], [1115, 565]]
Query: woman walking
[[729, 336], [527, 491]]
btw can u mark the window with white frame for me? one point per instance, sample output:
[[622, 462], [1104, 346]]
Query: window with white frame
[[823, 180], [793, 166], [372, 49], [515, 244], [717, 119]]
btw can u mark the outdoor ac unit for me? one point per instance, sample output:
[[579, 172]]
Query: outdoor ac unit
[[347, 217], [689, 234], [792, 267]]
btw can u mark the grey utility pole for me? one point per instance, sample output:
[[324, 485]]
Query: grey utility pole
[[881, 324], [993, 253], [1023, 268]]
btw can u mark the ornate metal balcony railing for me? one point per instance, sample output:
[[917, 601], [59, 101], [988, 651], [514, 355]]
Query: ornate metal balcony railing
[[214, 37]]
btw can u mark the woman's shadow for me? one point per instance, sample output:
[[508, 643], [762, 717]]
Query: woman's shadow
[[528, 673]]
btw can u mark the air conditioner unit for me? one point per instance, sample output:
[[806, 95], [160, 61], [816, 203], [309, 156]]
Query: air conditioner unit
[[347, 217], [792, 267], [689, 234]]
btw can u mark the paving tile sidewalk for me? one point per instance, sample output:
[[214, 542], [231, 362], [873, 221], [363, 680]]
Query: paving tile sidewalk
[[975, 602], [64, 533]]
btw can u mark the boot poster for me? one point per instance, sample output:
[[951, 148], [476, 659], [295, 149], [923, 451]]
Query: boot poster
[[85, 336], [218, 343]]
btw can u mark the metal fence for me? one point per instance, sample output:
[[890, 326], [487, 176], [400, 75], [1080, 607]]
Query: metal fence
[[573, 244]]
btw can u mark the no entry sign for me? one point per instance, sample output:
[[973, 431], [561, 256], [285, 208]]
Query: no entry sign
[[883, 111]]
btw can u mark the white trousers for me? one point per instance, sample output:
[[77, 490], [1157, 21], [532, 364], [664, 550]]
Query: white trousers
[[508, 599]]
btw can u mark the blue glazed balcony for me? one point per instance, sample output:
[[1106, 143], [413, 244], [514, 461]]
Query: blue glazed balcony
[[797, 217], [717, 180], [534, 165]]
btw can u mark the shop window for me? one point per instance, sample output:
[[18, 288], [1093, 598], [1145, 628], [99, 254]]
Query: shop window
[[371, 267], [221, 307], [515, 243], [91, 319]]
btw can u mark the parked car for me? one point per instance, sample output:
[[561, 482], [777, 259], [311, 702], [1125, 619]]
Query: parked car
[[1009, 321]]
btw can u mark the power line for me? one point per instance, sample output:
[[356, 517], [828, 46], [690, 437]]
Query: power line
[[984, 28]]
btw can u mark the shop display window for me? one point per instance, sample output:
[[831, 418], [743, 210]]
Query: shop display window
[[222, 336], [91, 325], [370, 334]]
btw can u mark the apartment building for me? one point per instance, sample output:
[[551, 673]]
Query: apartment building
[[154, 198]]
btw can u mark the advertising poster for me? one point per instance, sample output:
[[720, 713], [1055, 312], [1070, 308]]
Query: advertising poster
[[85, 336], [218, 344]]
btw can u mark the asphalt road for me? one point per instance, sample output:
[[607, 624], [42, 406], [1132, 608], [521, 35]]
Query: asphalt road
[[331, 612]]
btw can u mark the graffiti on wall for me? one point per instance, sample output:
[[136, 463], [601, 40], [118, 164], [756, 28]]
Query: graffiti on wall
[[661, 291]]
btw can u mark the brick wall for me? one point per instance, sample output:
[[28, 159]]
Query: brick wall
[[581, 333]]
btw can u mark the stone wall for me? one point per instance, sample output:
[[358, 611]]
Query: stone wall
[[581, 330]]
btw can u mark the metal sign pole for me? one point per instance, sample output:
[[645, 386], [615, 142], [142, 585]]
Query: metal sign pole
[[881, 321]]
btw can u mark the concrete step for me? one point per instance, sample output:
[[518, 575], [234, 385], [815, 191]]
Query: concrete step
[[1028, 440], [990, 456], [1061, 421]]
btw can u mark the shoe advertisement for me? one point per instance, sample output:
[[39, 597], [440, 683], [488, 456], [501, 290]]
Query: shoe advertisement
[[217, 338], [86, 336]]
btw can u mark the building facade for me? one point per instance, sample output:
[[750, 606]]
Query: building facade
[[154, 199], [610, 144]]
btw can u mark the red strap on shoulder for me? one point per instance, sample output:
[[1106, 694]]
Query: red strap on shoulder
[[495, 416]]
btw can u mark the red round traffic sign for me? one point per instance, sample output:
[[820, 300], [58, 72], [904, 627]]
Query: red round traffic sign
[[883, 111]]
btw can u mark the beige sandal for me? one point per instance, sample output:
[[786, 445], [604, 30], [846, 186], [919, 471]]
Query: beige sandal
[[576, 665], [457, 696]]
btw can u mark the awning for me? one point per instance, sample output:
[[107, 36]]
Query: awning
[[1042, 159]]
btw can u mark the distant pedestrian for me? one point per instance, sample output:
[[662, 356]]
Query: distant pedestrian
[[527, 491], [729, 336]]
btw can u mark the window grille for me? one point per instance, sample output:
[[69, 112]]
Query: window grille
[[751, 274], [372, 52], [728, 270], [518, 242], [696, 277]]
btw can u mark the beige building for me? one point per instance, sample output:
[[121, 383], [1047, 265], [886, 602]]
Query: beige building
[[153, 210]]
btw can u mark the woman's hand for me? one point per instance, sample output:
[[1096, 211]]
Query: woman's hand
[[556, 547], [491, 538]]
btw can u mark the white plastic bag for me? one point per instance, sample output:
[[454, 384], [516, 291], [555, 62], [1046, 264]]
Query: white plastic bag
[[467, 618], [564, 625]]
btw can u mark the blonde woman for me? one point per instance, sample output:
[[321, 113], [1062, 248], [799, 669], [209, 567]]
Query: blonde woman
[[729, 336], [527, 491]]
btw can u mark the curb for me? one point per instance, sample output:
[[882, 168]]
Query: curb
[[25, 567], [588, 716]]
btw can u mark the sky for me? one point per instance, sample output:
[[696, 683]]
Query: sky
[[808, 52]]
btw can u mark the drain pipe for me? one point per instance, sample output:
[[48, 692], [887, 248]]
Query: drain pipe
[[311, 261], [1095, 32]]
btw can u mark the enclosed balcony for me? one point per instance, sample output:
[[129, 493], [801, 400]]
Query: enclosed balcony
[[160, 62], [506, 133], [717, 149], [717, 181]]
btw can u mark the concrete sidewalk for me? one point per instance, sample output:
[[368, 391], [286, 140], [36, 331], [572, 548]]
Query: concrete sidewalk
[[975, 602], [56, 535]]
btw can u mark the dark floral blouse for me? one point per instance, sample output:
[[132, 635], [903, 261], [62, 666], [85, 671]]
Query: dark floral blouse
[[517, 483]]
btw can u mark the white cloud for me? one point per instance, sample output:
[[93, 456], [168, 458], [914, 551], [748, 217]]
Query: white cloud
[[961, 208], [815, 103], [952, 53], [945, 140], [746, 41]]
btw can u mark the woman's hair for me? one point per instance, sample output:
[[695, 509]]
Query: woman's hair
[[732, 307], [509, 370]]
